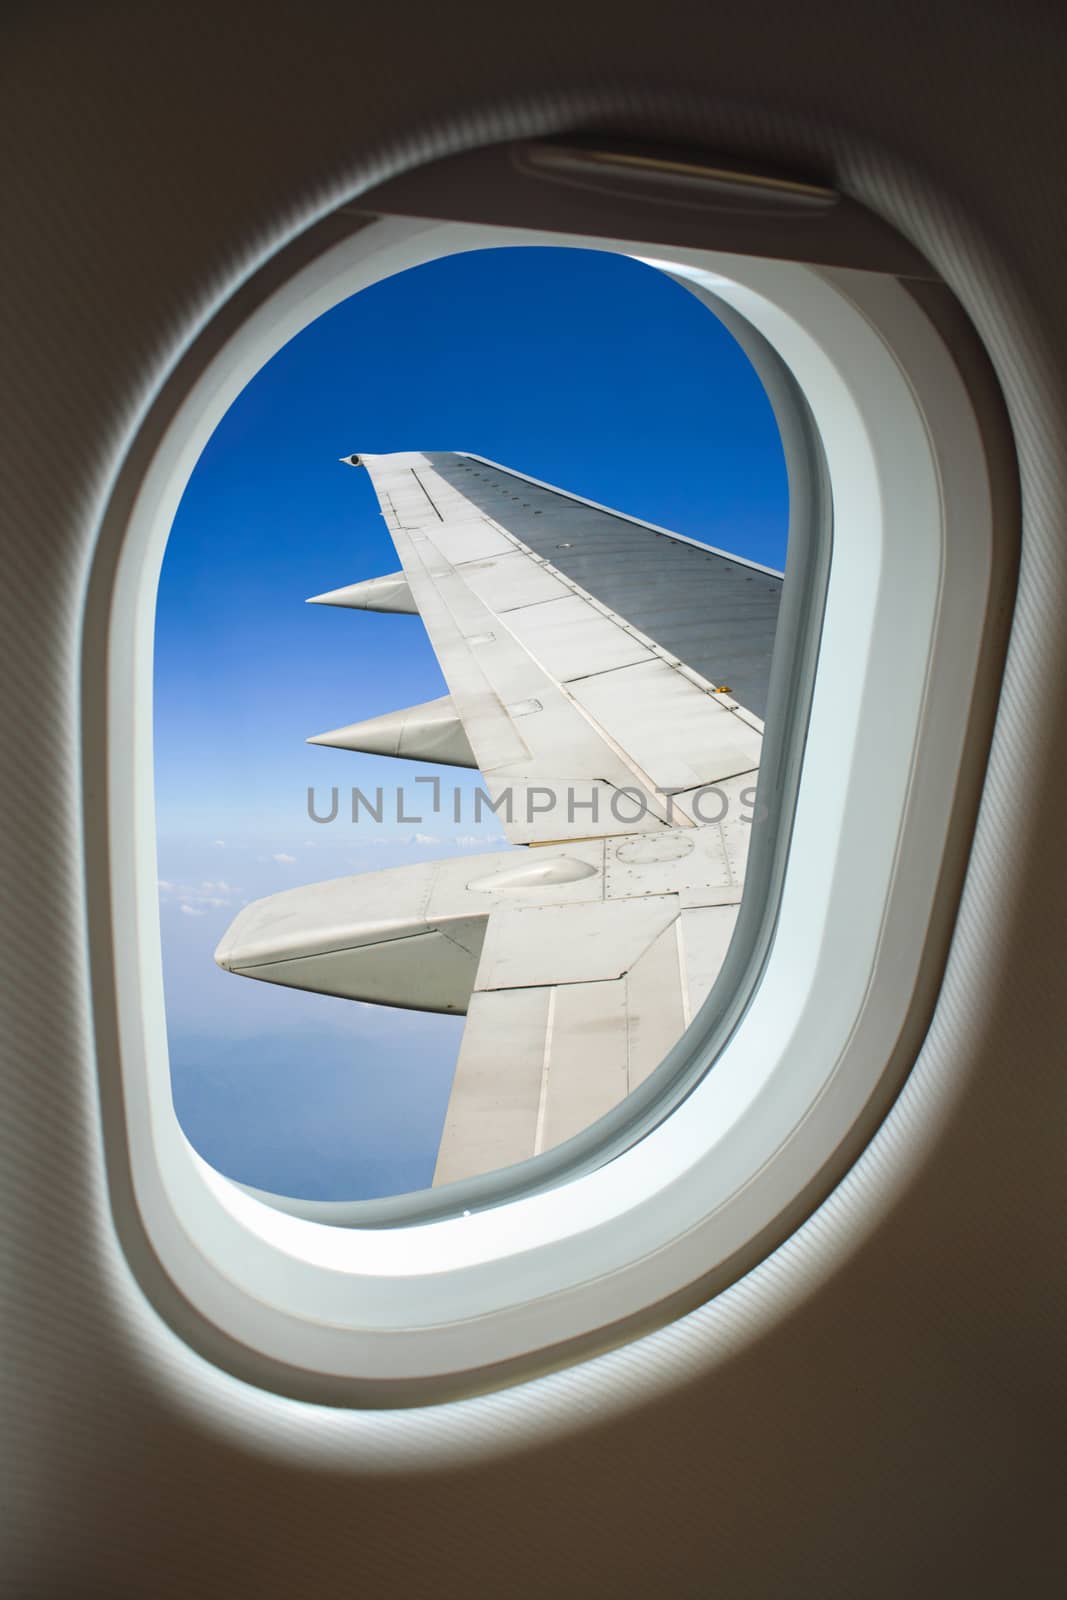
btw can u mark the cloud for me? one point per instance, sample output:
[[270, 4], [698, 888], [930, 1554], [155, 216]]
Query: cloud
[[211, 894], [283, 858], [426, 838], [220, 844]]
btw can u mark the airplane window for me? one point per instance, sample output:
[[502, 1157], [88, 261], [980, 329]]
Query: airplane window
[[406, 946], [478, 819]]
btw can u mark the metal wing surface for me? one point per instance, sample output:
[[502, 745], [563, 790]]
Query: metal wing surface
[[595, 665], [604, 675]]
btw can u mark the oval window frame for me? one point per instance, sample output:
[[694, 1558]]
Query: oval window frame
[[400, 1315]]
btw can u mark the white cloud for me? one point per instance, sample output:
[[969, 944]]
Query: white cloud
[[283, 858], [220, 844], [426, 838], [212, 894]]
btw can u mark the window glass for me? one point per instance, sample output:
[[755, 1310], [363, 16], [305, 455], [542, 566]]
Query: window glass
[[582, 370]]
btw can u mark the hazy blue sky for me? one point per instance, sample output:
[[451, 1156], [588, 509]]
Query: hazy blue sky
[[585, 369]]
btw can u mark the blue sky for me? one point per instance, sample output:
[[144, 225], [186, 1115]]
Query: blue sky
[[588, 370]]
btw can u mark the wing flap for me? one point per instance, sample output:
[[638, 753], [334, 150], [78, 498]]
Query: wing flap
[[573, 1006], [674, 731], [571, 640], [510, 582]]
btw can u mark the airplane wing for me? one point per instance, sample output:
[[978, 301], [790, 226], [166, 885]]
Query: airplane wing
[[607, 678], [601, 672], [578, 965], [575, 1002]]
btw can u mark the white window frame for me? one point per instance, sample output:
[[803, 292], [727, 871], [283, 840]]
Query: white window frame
[[420, 1311]]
